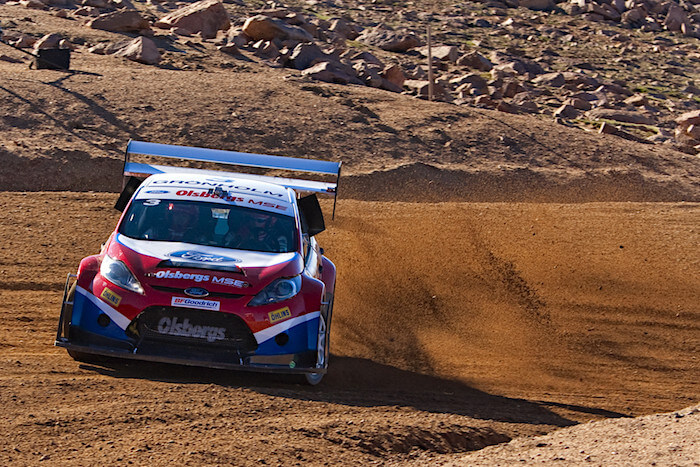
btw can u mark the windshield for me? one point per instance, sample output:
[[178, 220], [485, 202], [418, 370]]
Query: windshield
[[209, 224]]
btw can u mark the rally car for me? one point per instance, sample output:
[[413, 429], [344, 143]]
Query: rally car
[[209, 268]]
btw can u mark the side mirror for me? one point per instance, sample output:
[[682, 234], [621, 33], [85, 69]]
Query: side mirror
[[311, 215], [130, 187]]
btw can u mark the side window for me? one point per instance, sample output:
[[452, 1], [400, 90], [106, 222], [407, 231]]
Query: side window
[[306, 245]]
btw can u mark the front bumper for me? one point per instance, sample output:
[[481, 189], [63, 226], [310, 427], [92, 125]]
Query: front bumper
[[86, 336]]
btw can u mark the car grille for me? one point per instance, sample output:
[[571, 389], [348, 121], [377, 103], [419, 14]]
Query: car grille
[[193, 330]]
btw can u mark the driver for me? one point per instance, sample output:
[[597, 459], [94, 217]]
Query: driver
[[179, 224], [256, 234]]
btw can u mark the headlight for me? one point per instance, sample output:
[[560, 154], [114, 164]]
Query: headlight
[[278, 290], [117, 273]]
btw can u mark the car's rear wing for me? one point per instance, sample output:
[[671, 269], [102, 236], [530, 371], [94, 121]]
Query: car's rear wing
[[242, 159]]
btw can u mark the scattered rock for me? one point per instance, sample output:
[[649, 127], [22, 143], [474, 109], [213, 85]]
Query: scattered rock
[[688, 129], [550, 79], [421, 87], [205, 17], [387, 39], [261, 27], [120, 21], [507, 107], [328, 72], [344, 29], [578, 103], [620, 116], [474, 79], [446, 53], [305, 55], [142, 50], [675, 18], [609, 129], [395, 78], [566, 111], [49, 41], [266, 49], [33, 4], [541, 5], [638, 100], [475, 61]]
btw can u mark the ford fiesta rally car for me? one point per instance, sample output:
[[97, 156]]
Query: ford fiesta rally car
[[208, 268]]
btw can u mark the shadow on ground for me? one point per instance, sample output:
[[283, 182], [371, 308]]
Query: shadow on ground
[[361, 383]]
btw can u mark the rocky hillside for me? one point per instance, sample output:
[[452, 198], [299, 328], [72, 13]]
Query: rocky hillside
[[628, 68]]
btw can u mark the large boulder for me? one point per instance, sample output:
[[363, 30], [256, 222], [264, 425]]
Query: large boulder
[[261, 27], [142, 50], [445, 53], [476, 61], [205, 17], [387, 39], [120, 21], [675, 18], [394, 78], [330, 72], [305, 55]]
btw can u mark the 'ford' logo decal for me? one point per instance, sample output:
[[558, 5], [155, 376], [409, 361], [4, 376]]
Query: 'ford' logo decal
[[196, 292], [202, 257]]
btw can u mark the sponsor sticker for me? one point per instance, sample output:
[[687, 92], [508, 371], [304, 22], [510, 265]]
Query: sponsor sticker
[[174, 327], [168, 274], [185, 302], [233, 199], [279, 315], [110, 297], [201, 257]]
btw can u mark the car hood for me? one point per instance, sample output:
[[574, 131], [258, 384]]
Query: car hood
[[181, 265]]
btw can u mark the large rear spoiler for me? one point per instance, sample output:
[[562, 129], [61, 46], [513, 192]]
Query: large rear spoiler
[[135, 169]]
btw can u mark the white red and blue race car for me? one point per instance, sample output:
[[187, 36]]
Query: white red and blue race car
[[209, 268]]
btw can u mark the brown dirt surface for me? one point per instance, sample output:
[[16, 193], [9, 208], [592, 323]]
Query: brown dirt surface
[[457, 326], [500, 277]]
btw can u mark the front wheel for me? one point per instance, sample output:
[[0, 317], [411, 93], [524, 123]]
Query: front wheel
[[322, 347]]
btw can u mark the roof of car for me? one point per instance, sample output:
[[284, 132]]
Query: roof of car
[[229, 190]]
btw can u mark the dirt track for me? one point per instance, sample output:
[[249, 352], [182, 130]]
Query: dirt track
[[457, 326]]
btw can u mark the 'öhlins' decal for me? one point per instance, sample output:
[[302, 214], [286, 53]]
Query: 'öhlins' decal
[[110, 297], [279, 315]]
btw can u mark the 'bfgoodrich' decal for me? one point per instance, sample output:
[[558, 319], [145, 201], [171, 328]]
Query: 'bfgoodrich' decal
[[198, 303]]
